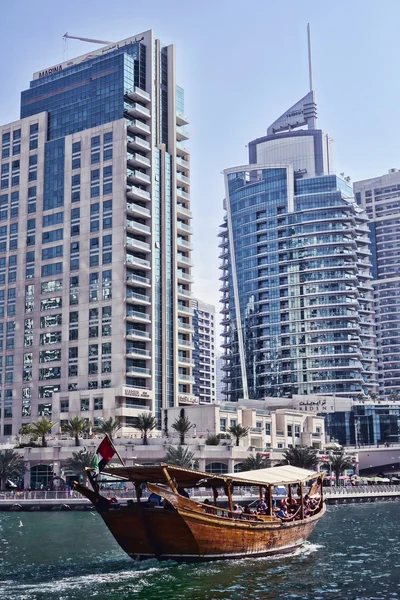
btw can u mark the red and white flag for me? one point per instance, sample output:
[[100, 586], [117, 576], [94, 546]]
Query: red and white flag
[[104, 454]]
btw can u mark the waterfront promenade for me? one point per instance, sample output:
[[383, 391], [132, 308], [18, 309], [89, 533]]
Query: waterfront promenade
[[71, 500]]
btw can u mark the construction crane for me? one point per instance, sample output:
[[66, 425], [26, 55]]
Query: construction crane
[[82, 39]]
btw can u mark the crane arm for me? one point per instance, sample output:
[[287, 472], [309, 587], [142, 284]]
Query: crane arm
[[82, 39]]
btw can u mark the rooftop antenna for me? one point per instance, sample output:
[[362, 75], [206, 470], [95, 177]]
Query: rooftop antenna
[[309, 56]]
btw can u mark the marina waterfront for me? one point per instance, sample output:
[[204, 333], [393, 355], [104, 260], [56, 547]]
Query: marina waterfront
[[354, 554]]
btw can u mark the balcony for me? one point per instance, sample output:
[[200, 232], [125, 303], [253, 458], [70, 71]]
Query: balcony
[[181, 162], [136, 142], [184, 293], [182, 134], [183, 227], [134, 208], [136, 315], [131, 278], [138, 371], [182, 194], [136, 193], [185, 309], [138, 226], [138, 110], [137, 333], [132, 351], [181, 210], [137, 94], [182, 150], [184, 276], [185, 244], [136, 159], [138, 262], [181, 119], [184, 260], [139, 298], [185, 326], [185, 361], [138, 176], [187, 378], [136, 126], [185, 343], [133, 243]]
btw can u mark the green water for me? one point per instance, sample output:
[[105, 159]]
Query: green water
[[354, 553]]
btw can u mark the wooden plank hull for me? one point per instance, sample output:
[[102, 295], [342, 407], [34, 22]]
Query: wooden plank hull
[[185, 535]]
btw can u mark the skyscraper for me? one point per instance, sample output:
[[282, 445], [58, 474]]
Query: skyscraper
[[204, 371], [95, 254], [297, 300], [380, 197]]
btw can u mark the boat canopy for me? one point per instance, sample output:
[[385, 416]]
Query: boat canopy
[[191, 478]]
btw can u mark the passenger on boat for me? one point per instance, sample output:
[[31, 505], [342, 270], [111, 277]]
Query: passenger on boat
[[237, 509], [154, 499], [208, 508], [183, 492], [281, 513], [262, 508], [247, 510]]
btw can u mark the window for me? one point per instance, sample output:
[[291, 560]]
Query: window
[[7, 430], [64, 405], [53, 337], [98, 403], [49, 355], [297, 431], [52, 236], [290, 430], [51, 286], [47, 391], [267, 428], [76, 147], [50, 320], [50, 373], [222, 424], [54, 219], [52, 269], [54, 252], [84, 404], [51, 303], [93, 368]]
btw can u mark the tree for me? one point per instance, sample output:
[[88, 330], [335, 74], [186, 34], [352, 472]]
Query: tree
[[11, 466], [180, 457], [302, 457], [182, 425], [212, 440], [339, 463], [146, 423], [255, 462], [78, 463], [41, 429], [109, 427], [238, 432], [76, 427]]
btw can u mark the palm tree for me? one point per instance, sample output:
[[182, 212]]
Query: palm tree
[[41, 429], [109, 427], [212, 440], [180, 457], [302, 457], [146, 423], [182, 425], [11, 466], [75, 427], [78, 463], [339, 463], [255, 462], [238, 432]]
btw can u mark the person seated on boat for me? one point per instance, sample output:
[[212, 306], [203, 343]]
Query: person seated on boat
[[154, 499], [208, 508], [237, 511], [247, 510], [262, 508], [183, 492], [282, 513]]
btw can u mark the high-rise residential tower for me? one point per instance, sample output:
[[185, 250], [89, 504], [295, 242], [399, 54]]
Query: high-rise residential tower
[[204, 359], [380, 197], [95, 248], [296, 276]]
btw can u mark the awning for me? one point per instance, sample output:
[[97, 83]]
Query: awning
[[190, 478]]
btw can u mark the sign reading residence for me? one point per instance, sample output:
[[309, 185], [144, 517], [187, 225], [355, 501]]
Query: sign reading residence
[[314, 403], [186, 399], [130, 392]]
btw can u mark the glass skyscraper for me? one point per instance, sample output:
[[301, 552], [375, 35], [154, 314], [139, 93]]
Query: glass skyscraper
[[95, 241], [297, 301], [380, 197]]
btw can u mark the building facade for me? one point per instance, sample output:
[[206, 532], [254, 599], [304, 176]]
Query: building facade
[[297, 302], [204, 371], [380, 197], [95, 250]]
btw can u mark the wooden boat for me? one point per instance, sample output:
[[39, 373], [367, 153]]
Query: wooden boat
[[185, 529]]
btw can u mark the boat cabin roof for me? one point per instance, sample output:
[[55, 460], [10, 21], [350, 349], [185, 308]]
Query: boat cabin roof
[[190, 477]]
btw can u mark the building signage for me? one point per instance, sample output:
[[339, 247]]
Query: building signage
[[80, 59], [130, 392], [314, 404], [50, 71], [185, 399]]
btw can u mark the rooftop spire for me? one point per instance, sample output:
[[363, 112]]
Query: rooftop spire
[[309, 56]]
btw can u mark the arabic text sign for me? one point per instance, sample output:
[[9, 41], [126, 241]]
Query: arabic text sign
[[314, 404]]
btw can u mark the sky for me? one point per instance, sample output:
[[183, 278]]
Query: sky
[[242, 64]]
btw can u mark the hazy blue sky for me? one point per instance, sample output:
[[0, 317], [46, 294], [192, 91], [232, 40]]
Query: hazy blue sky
[[242, 63]]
